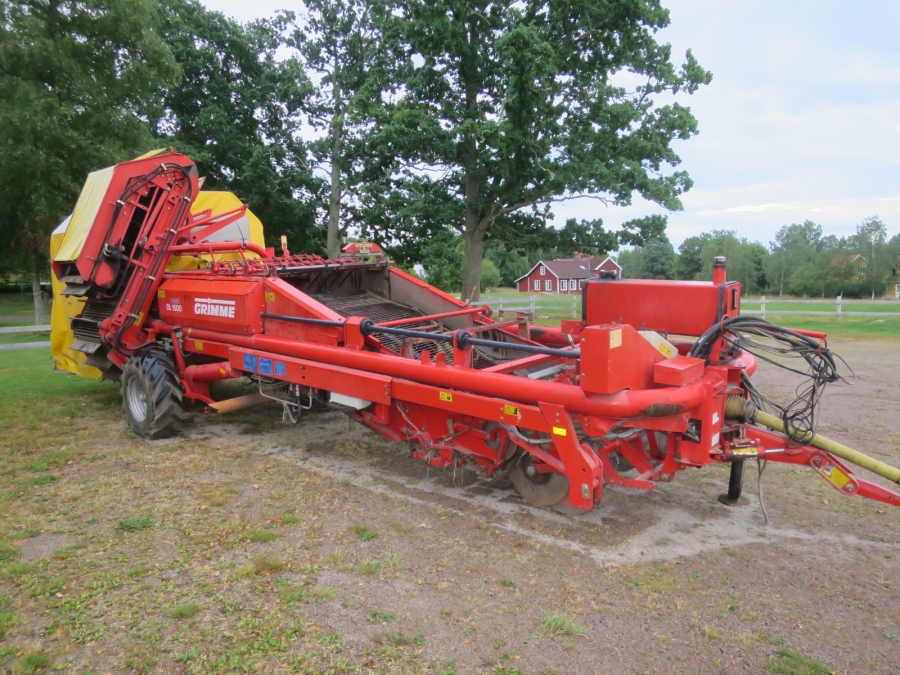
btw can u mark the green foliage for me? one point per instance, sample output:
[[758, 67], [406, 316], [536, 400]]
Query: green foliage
[[344, 47], [135, 523], [795, 663], [656, 260], [509, 108], [261, 536], [185, 611], [558, 624], [443, 260], [7, 618], [490, 275], [236, 113], [363, 532], [77, 81]]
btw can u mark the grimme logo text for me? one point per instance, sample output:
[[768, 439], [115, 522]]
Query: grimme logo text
[[213, 307]]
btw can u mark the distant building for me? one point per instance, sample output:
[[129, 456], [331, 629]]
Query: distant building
[[853, 263], [564, 275]]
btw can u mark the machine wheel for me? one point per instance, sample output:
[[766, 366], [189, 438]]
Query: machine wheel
[[152, 395], [544, 489]]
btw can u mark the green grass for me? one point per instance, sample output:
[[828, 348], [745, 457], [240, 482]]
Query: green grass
[[185, 611], [9, 338], [558, 624], [135, 523], [31, 664], [19, 304], [363, 532], [376, 615], [791, 662], [261, 536], [7, 618]]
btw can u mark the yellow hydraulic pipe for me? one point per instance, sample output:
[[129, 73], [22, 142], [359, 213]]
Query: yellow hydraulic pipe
[[834, 448]]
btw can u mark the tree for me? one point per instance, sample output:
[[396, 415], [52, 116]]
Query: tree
[[510, 107], [236, 115], [443, 260], [690, 259], [794, 246], [659, 260], [870, 241], [511, 263], [490, 275], [343, 46], [77, 80]]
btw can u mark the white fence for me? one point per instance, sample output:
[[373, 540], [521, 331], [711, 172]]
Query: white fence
[[571, 304], [838, 304]]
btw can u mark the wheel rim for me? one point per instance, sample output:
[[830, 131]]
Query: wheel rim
[[544, 490], [136, 400]]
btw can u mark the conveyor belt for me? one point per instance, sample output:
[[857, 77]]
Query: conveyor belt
[[379, 309]]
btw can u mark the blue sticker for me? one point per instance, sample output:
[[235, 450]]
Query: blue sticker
[[279, 368], [250, 362], [265, 366]]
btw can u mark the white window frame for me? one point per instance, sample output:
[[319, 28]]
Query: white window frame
[[571, 284], [548, 285], [537, 284], [563, 285], [580, 284], [543, 270]]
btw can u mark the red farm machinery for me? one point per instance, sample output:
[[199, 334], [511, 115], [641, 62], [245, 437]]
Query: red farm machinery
[[653, 380]]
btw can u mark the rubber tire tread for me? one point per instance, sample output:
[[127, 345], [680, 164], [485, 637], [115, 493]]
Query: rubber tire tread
[[165, 397]]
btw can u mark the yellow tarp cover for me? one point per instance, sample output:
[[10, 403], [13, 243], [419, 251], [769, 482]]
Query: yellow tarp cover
[[249, 228], [83, 216]]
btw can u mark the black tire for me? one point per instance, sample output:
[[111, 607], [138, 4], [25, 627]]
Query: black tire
[[152, 396]]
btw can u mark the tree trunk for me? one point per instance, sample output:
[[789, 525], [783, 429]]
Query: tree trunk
[[333, 241], [39, 316], [471, 276]]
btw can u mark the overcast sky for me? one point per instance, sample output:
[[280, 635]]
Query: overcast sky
[[801, 121]]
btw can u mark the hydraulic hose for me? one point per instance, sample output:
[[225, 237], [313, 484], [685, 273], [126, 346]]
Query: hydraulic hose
[[736, 407]]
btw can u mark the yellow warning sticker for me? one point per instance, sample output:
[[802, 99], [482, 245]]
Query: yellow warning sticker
[[666, 350], [560, 431], [446, 396], [160, 293], [615, 338], [834, 475], [198, 345], [270, 296], [511, 410], [140, 317]]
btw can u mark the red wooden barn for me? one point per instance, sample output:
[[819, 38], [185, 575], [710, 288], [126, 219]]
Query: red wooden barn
[[564, 275]]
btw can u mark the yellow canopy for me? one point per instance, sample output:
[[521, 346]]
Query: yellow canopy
[[65, 242]]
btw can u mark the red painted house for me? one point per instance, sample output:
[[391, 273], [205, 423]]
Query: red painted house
[[564, 275], [609, 265]]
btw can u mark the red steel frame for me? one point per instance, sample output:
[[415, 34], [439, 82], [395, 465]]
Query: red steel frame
[[618, 399]]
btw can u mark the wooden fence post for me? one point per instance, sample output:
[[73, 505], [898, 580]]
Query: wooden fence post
[[839, 300], [762, 306], [500, 309], [574, 305], [531, 306]]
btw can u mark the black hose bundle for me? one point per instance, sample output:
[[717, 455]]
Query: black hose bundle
[[774, 344]]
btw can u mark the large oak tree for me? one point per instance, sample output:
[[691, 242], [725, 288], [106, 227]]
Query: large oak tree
[[512, 107]]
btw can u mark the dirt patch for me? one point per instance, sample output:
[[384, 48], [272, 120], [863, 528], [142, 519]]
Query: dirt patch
[[44, 545], [322, 547]]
